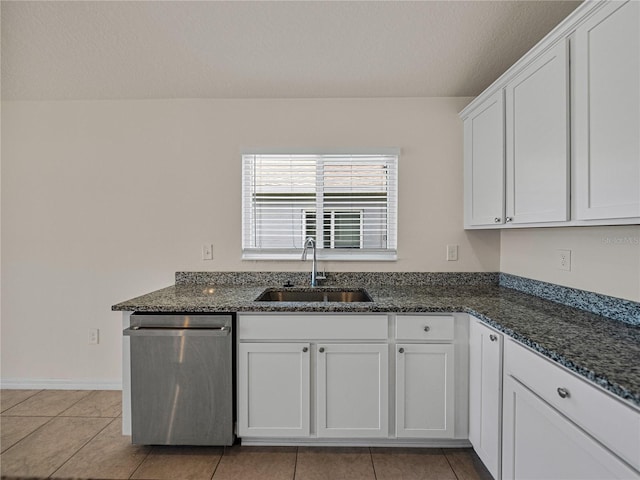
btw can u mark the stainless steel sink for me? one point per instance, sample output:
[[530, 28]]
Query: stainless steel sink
[[296, 295]]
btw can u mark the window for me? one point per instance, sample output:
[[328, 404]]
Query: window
[[347, 202], [342, 229]]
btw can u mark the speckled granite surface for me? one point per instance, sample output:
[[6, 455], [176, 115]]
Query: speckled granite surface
[[604, 350], [339, 278], [616, 308]]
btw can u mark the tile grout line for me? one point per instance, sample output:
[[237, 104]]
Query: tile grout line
[[21, 401], [215, 468], [142, 461], [75, 416], [295, 465], [373, 465], [28, 434], [81, 447], [76, 402], [450, 466]]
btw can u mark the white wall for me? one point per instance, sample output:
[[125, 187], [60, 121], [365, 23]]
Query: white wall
[[105, 200], [603, 259]]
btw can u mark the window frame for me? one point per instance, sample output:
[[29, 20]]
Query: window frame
[[337, 254]]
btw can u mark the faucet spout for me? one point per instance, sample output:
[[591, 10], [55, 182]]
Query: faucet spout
[[311, 243]]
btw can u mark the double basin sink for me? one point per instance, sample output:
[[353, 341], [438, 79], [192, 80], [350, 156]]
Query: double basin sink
[[314, 295]]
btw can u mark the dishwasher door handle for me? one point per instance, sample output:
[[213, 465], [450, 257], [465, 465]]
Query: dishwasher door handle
[[176, 332]]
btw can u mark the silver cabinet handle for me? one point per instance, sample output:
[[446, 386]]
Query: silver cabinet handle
[[427, 328], [305, 349], [508, 219], [401, 350], [493, 337], [321, 349], [497, 220], [563, 392]]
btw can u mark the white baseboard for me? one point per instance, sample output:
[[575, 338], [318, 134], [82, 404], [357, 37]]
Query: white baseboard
[[353, 442], [57, 384]]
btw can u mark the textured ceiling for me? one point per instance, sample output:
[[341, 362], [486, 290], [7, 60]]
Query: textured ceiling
[[264, 49]]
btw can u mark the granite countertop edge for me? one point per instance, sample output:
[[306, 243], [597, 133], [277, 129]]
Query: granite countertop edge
[[238, 299]]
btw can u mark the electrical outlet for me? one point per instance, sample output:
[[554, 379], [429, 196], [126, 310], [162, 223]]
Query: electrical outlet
[[207, 252], [563, 260], [452, 253], [94, 336]]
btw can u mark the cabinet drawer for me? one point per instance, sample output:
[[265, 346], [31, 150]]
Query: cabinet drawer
[[424, 327], [312, 326], [608, 420]]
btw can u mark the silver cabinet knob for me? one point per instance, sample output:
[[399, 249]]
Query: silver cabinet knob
[[508, 219], [427, 328], [401, 350], [563, 392], [305, 349], [493, 337], [321, 349], [497, 219]]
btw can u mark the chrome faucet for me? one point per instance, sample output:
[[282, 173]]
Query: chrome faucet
[[311, 243]]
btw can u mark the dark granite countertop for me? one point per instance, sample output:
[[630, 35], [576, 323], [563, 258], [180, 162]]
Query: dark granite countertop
[[600, 349]]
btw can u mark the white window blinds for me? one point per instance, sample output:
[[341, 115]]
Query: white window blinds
[[346, 202]]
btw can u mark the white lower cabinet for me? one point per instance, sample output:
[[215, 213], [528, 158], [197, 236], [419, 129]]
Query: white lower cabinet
[[485, 394], [329, 378], [557, 426], [273, 389], [425, 390], [352, 390], [532, 419], [540, 443], [318, 376], [351, 385]]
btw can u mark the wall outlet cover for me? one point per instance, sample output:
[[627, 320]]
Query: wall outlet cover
[[207, 251], [452, 253], [94, 336], [563, 260]]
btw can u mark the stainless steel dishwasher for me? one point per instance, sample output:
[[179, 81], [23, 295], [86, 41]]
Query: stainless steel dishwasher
[[181, 379]]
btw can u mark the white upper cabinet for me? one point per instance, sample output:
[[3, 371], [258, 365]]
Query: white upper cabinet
[[484, 163], [607, 113], [537, 139], [555, 141]]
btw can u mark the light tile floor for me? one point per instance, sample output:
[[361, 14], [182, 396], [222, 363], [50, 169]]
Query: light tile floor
[[66, 434]]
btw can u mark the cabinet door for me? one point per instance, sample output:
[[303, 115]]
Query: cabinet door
[[607, 113], [425, 391], [352, 390], [484, 163], [485, 394], [537, 140], [540, 444], [273, 389]]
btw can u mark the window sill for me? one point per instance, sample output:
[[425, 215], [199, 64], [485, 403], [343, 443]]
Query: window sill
[[323, 255]]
